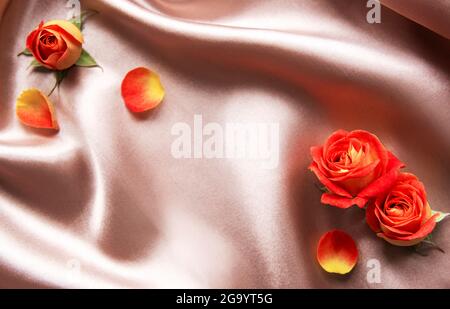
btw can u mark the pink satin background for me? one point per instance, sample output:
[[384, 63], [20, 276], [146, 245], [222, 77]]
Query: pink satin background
[[103, 203]]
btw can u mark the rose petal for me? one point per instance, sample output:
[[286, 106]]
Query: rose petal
[[426, 229], [414, 183], [371, 218], [70, 56], [34, 109], [142, 90], [316, 153], [51, 61], [342, 202], [326, 182], [67, 28], [415, 238], [31, 38], [357, 173], [374, 141], [393, 232], [337, 252], [336, 136], [394, 163], [45, 51], [401, 243], [386, 181]]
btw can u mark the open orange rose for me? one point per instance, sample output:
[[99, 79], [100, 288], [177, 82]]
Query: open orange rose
[[354, 167], [402, 216], [56, 44]]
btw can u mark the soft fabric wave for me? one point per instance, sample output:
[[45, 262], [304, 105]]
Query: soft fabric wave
[[103, 203]]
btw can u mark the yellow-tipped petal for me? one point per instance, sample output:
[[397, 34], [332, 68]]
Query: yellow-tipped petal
[[142, 90], [68, 27], [34, 109], [337, 252]]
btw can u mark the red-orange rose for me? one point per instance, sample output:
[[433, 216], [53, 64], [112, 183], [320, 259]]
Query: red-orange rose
[[56, 44], [402, 216], [354, 167]]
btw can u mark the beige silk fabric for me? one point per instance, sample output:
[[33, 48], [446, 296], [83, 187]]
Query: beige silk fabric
[[104, 203]]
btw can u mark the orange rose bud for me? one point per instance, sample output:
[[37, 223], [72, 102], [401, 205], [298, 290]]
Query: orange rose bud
[[402, 216], [34, 109], [142, 90], [354, 167], [57, 44], [337, 252]]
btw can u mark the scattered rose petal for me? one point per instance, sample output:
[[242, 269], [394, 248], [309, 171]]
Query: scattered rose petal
[[337, 252], [142, 90], [34, 109]]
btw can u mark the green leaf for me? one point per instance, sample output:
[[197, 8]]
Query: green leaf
[[35, 64], [441, 216], [425, 245], [79, 20], [86, 60], [76, 21], [25, 52]]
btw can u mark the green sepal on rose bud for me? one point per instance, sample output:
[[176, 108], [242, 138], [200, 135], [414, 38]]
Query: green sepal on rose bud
[[441, 216]]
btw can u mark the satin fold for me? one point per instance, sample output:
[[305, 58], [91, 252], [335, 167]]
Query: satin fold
[[104, 203]]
